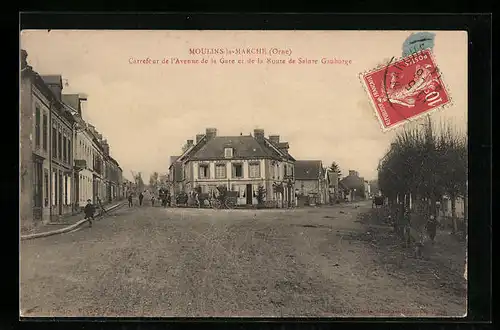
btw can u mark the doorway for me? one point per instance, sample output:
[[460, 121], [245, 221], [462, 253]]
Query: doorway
[[76, 179], [60, 198], [249, 194]]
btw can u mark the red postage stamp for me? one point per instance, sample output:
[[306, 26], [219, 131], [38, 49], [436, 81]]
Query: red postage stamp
[[406, 89]]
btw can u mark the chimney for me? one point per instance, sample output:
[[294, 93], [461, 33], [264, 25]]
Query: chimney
[[258, 133], [199, 137], [105, 146], [54, 82], [275, 139], [211, 133], [283, 146], [189, 143]]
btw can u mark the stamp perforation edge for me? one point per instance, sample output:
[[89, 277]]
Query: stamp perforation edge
[[406, 121]]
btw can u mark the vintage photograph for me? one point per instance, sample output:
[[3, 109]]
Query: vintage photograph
[[243, 173]]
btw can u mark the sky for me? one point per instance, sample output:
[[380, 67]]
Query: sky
[[148, 111]]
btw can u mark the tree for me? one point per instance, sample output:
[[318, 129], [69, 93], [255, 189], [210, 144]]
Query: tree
[[453, 155], [335, 168], [139, 183], [425, 166], [163, 178], [261, 195], [154, 181]]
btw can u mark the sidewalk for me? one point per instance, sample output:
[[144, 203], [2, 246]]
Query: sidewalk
[[65, 222]]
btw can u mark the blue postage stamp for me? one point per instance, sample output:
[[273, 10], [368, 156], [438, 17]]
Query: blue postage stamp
[[417, 42]]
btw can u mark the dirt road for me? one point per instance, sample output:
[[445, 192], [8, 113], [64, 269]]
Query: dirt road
[[200, 262]]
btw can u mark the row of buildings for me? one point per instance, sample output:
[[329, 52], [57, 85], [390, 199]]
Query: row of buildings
[[245, 162], [64, 161]]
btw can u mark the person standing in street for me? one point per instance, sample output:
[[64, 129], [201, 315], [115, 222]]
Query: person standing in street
[[141, 197], [130, 204], [431, 227], [152, 200], [89, 211]]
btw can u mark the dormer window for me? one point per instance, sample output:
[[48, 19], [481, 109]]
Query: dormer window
[[228, 152]]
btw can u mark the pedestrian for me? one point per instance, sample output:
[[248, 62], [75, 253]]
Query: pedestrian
[[141, 197], [89, 211], [102, 210], [196, 198], [152, 200], [169, 200], [431, 227], [130, 200]]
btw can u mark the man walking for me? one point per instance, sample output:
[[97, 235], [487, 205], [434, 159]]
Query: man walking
[[431, 227], [141, 197], [152, 200], [130, 200], [89, 211]]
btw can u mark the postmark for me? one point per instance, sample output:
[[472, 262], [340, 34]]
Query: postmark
[[418, 41], [406, 89]]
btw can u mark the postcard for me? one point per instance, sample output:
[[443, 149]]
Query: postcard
[[243, 173]]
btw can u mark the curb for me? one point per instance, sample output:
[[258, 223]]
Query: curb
[[66, 229]]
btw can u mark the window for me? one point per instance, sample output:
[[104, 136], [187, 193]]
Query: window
[[46, 186], [54, 188], [69, 151], [204, 172], [65, 151], [59, 145], [285, 169], [37, 183], [65, 190], [54, 142], [240, 189], [254, 170], [228, 152], [37, 127], [45, 132], [237, 170], [220, 171]]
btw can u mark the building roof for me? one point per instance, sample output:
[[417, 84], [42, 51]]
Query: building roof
[[244, 147], [173, 159], [308, 169], [352, 182]]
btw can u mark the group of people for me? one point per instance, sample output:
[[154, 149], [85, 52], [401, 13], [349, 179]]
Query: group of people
[[164, 198], [430, 225]]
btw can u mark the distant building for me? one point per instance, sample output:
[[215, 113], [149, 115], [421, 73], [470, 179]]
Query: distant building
[[367, 189], [354, 186], [310, 182], [241, 163]]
